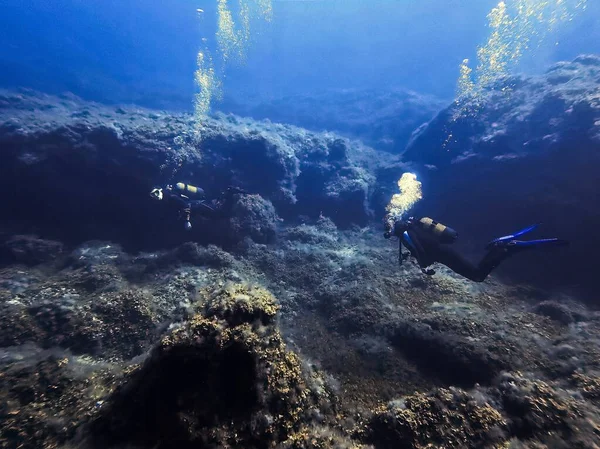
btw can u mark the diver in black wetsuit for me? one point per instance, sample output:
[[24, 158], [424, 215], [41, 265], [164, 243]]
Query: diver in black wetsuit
[[429, 241], [189, 200]]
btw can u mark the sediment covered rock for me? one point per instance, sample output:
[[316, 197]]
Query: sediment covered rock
[[175, 349], [46, 396], [515, 411], [449, 418], [29, 250]]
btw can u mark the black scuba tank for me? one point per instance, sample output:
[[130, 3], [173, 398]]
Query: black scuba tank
[[442, 233]]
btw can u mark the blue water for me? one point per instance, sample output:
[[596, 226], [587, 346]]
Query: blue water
[[144, 52]]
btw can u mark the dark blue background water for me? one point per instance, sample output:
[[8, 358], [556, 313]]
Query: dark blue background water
[[144, 51]]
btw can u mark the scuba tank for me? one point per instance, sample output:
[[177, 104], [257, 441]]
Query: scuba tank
[[442, 233], [188, 190]]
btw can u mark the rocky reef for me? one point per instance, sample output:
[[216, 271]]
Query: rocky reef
[[316, 341], [382, 119], [289, 323], [70, 167], [531, 146]]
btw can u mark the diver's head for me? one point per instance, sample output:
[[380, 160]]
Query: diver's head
[[388, 224], [395, 226], [157, 194]]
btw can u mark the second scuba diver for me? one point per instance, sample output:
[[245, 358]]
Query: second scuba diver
[[189, 200], [429, 241]]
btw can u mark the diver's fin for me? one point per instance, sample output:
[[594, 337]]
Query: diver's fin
[[537, 243], [508, 238], [526, 230]]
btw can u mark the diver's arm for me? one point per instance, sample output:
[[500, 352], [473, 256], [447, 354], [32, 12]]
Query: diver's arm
[[174, 198], [411, 241], [395, 228]]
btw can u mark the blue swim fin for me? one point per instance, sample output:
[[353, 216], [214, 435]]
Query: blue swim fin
[[537, 243], [508, 238]]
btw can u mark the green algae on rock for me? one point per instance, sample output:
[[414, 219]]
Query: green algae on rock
[[224, 377], [450, 418]]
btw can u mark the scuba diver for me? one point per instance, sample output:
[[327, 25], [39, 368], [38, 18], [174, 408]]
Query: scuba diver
[[429, 241], [189, 200]]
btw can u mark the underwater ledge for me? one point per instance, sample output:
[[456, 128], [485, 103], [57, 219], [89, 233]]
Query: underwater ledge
[[71, 166]]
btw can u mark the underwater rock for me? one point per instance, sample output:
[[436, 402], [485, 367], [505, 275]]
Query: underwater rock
[[455, 359], [17, 327], [324, 233], [85, 306], [97, 253], [526, 150], [320, 438], [240, 304], [58, 323], [127, 322], [450, 418], [517, 117], [189, 253], [253, 217], [96, 266], [223, 378], [589, 385], [95, 170], [301, 173], [384, 119], [555, 311], [539, 410], [528, 413], [216, 371], [117, 324], [29, 250], [42, 403]]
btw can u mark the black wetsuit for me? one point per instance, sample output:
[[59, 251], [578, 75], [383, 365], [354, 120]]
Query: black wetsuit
[[216, 208], [427, 249]]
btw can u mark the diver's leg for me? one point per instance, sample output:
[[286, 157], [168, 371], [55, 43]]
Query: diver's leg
[[494, 257], [499, 251], [448, 256], [186, 213], [196, 207]]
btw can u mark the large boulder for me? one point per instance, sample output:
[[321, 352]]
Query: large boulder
[[222, 379]]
